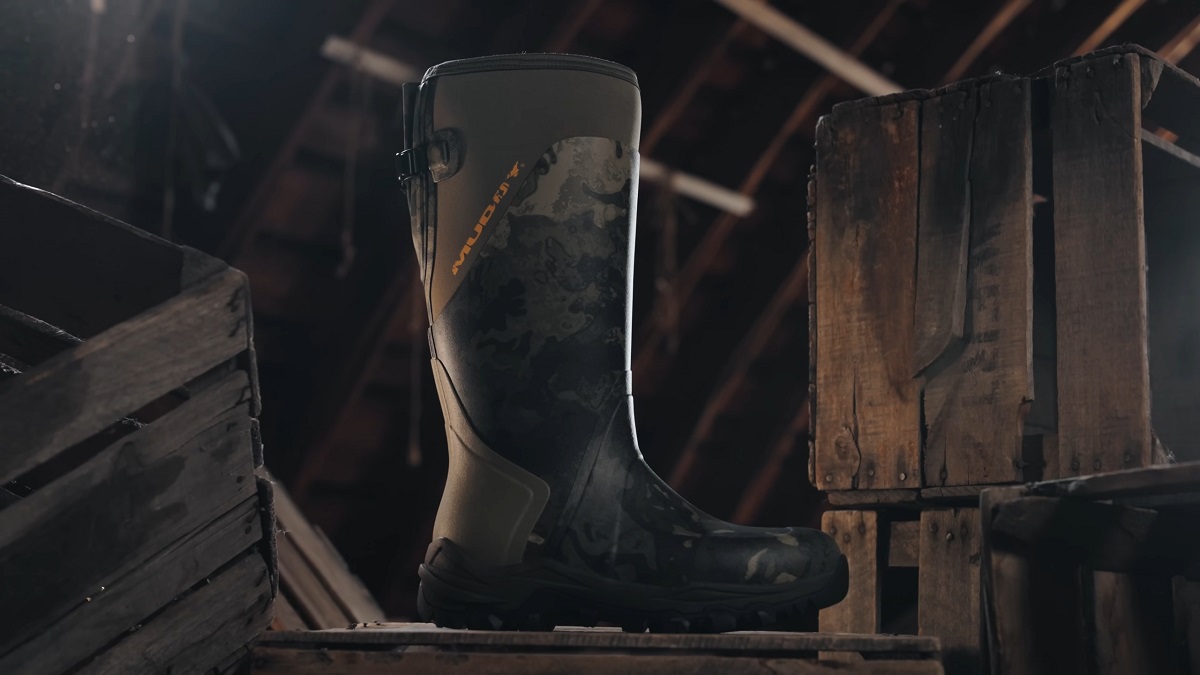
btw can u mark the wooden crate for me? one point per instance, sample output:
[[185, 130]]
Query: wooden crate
[[316, 588], [1003, 271], [1095, 574], [134, 534], [421, 648]]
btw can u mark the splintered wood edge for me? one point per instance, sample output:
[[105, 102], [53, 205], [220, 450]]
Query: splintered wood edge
[[426, 634]]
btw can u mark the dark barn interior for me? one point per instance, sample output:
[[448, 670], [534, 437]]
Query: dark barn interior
[[264, 134]]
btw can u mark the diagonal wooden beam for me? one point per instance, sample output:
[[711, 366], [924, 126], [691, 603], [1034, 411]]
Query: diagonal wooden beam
[[1115, 20], [569, 27], [763, 484], [1009, 11], [715, 238], [1184, 43], [245, 226], [799, 37]]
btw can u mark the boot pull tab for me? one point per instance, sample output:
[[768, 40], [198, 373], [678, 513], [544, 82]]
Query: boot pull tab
[[441, 156]]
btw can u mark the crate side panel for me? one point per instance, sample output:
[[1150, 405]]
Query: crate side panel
[[976, 400], [857, 535], [948, 584], [867, 426], [1100, 256]]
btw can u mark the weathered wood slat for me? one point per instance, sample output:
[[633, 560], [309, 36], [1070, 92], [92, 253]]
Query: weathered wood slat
[[196, 632], [303, 662], [1171, 479], [904, 543], [948, 585], [30, 339], [975, 406], [106, 517], [749, 642], [82, 391], [1129, 614], [943, 225], [867, 498], [320, 559], [286, 617], [124, 271], [867, 427], [1100, 254], [304, 590], [136, 596], [857, 534]]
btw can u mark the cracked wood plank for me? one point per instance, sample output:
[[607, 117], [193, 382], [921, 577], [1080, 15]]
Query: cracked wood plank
[[1100, 255], [976, 398], [867, 424]]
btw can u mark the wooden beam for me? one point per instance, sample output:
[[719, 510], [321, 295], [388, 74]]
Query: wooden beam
[[1115, 20], [714, 239], [764, 482], [1010, 10], [572, 23], [782, 27], [1182, 44], [243, 229]]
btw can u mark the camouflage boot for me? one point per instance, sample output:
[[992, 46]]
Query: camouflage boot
[[521, 174]]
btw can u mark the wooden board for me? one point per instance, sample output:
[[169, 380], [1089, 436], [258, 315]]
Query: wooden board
[[79, 392], [976, 400], [867, 426], [304, 662], [102, 271], [948, 585], [1178, 480], [108, 516], [857, 535], [398, 635], [1100, 249], [230, 610], [904, 543], [314, 577], [943, 225], [1132, 618], [136, 596]]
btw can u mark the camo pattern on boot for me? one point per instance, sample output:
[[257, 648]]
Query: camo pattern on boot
[[552, 282]]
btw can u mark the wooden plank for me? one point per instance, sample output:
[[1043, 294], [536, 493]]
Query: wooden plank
[[1031, 604], [101, 271], [943, 224], [133, 598], [948, 585], [1170, 479], [867, 498], [1133, 624], [396, 635], [867, 429], [1100, 255], [975, 406], [857, 535], [305, 591], [201, 630], [30, 339], [109, 515], [303, 662], [286, 617], [82, 391], [1103, 536], [904, 543], [317, 553]]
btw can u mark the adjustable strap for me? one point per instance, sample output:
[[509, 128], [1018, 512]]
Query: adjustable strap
[[441, 156]]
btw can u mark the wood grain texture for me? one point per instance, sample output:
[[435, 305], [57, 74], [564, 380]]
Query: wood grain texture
[[857, 535], [975, 404], [201, 630], [30, 339], [105, 518], [305, 592], [319, 559], [303, 662], [948, 585], [133, 598], [395, 635], [101, 272], [867, 425], [868, 498], [1134, 620], [904, 543], [943, 225], [1100, 255], [1171, 479], [82, 391]]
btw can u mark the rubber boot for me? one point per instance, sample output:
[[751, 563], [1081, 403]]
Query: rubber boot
[[521, 173]]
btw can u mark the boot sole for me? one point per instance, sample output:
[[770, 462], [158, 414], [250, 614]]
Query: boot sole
[[541, 597]]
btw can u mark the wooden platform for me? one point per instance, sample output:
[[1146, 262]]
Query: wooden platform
[[423, 648]]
